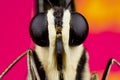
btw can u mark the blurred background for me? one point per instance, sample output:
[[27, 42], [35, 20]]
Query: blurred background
[[103, 40], [102, 43]]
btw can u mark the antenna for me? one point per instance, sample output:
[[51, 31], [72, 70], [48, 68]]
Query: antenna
[[50, 3], [68, 4]]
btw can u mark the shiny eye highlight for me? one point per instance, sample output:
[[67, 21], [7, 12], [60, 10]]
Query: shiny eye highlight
[[78, 29], [39, 30]]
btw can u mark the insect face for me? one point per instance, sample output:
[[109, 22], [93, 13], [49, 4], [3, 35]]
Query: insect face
[[58, 31], [77, 23], [58, 35]]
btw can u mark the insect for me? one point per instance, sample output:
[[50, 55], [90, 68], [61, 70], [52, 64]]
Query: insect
[[58, 35]]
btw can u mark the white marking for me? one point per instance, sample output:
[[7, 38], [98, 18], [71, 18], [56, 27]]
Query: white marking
[[86, 73], [47, 54], [72, 54]]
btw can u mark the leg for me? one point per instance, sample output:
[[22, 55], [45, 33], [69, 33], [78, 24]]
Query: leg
[[14, 62], [108, 67]]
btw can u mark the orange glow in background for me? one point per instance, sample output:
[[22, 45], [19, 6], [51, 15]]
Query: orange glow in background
[[103, 17], [102, 43], [101, 14]]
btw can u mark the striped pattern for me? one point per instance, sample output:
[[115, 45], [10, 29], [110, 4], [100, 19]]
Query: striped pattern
[[75, 59]]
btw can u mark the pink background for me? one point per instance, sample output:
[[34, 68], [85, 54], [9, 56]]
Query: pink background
[[15, 17]]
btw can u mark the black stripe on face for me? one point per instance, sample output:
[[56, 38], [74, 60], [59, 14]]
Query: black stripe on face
[[59, 51], [39, 66], [58, 14], [81, 66]]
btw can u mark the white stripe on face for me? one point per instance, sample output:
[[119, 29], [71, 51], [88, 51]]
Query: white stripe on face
[[71, 57], [72, 54], [47, 54]]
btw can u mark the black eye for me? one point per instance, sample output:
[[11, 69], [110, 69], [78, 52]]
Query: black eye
[[39, 30], [78, 29]]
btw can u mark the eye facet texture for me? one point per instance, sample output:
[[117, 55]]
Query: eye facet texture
[[39, 30], [78, 29]]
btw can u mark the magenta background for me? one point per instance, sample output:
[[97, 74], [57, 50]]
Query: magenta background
[[15, 17]]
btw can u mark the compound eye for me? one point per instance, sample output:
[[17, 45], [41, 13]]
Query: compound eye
[[39, 30], [78, 29]]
